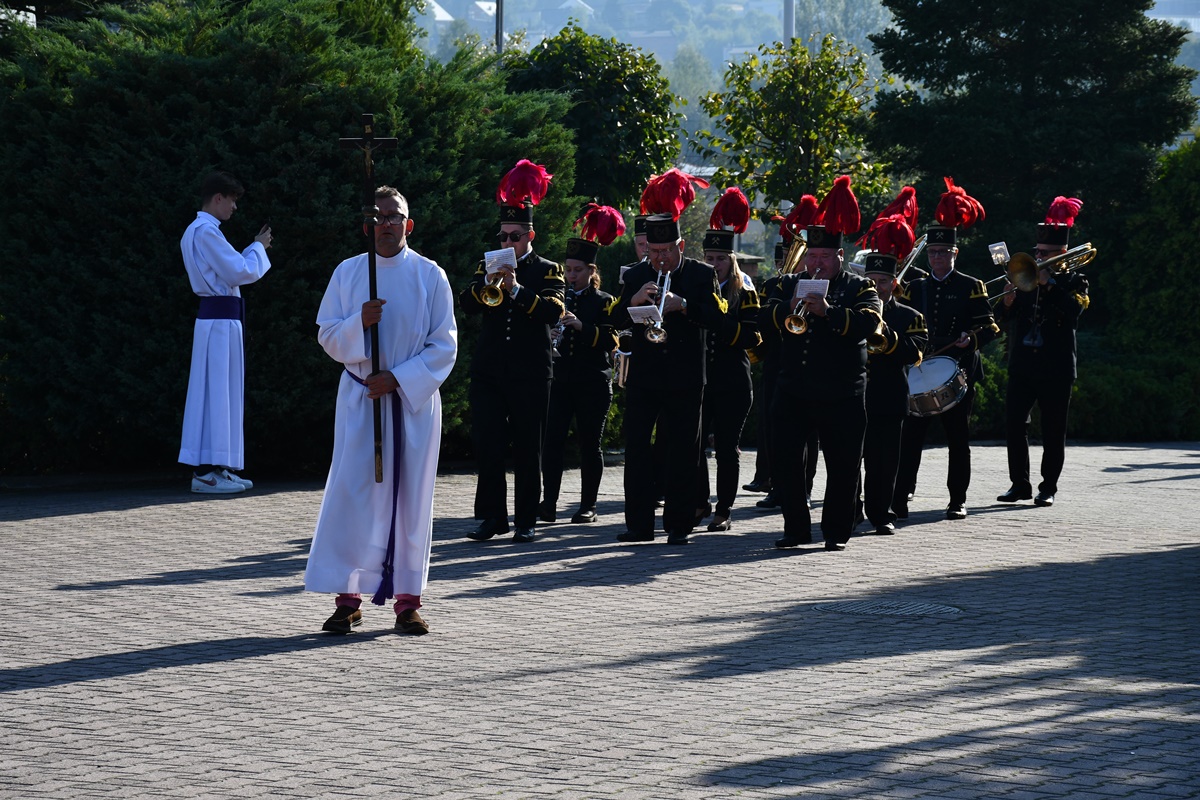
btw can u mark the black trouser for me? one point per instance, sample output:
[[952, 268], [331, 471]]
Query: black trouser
[[840, 424], [767, 418], [724, 416], [676, 412], [881, 458], [956, 422], [766, 390], [503, 411], [1053, 397], [586, 400]]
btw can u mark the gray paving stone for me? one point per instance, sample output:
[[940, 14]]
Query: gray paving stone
[[168, 651]]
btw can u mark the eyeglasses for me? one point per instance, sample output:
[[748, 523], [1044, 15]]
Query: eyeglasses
[[391, 219], [514, 236]]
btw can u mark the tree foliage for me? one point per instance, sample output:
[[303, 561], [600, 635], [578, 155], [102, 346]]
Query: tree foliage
[[791, 119], [623, 115], [105, 132], [1022, 105]]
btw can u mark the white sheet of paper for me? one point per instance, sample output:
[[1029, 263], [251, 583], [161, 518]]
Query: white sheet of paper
[[817, 286], [493, 260], [621, 279], [644, 314]]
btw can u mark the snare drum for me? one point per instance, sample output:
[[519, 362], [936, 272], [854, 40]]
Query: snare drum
[[935, 385]]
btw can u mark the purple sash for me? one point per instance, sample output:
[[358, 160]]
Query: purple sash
[[222, 308], [389, 557]]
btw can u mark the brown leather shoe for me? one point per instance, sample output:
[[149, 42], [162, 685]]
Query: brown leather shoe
[[344, 620], [411, 623]]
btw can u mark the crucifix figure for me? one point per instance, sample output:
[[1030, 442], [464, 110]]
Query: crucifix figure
[[367, 145]]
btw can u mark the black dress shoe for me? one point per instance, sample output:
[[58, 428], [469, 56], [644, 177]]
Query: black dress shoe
[[630, 536], [546, 511], [487, 529], [770, 501], [793, 540], [677, 537], [584, 516], [703, 512], [1043, 499], [757, 486], [720, 523], [1014, 494], [834, 547], [524, 535], [344, 620], [900, 510], [956, 511], [886, 529]]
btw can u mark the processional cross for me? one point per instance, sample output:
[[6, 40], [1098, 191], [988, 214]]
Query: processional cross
[[367, 145]]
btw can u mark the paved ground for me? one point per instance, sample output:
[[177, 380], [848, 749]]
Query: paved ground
[[157, 645]]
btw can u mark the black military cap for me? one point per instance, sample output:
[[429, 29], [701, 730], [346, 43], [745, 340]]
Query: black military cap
[[662, 229]]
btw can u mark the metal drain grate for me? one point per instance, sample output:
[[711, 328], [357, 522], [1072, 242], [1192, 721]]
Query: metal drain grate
[[891, 609]]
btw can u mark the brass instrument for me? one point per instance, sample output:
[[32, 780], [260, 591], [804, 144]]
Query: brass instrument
[[1022, 269], [621, 357], [878, 340], [911, 258], [655, 332], [491, 294], [795, 253], [797, 321]]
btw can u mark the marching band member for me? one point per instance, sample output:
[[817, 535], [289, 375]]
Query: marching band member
[[823, 373], [665, 384], [767, 354], [582, 385], [956, 310], [511, 367], [1041, 358], [897, 345], [729, 392]]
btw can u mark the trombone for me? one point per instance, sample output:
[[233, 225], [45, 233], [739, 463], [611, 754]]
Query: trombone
[[911, 258], [655, 332], [1022, 269]]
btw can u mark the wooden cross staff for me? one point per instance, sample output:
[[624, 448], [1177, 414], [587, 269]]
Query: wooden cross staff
[[368, 144]]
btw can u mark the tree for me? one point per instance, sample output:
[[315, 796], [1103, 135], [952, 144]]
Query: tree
[[691, 78], [1025, 103], [105, 132], [623, 118], [791, 120]]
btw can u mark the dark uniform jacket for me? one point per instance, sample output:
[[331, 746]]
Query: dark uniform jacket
[[678, 362], [887, 370], [768, 350], [951, 307], [587, 352], [1055, 310], [831, 356], [728, 360], [514, 341]]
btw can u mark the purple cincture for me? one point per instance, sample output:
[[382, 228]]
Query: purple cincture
[[389, 557], [222, 308]]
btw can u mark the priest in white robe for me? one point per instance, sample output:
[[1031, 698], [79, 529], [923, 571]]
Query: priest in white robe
[[212, 441], [364, 528]]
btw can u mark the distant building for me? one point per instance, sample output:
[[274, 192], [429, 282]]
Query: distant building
[[1181, 12]]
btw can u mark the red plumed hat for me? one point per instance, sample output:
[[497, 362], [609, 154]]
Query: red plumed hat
[[892, 236], [1063, 211], [838, 212], [671, 192], [803, 214], [957, 209], [905, 205], [526, 181], [732, 210], [601, 224]]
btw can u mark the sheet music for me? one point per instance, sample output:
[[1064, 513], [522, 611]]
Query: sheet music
[[817, 286], [644, 314], [493, 260]]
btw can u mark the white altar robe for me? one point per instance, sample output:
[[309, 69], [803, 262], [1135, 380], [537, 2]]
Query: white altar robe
[[418, 343], [212, 415]]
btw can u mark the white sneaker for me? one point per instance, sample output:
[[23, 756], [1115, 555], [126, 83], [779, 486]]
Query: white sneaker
[[215, 483], [233, 476]]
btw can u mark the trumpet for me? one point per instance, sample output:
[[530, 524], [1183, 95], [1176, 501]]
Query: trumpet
[[797, 321], [655, 332], [491, 294], [880, 339]]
